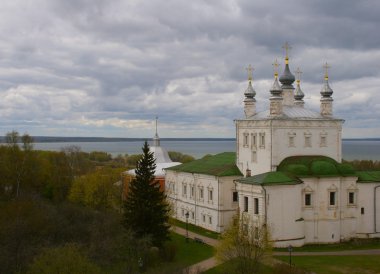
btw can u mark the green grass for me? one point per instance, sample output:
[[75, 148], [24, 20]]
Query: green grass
[[187, 254], [196, 229], [356, 244], [366, 264], [225, 268]]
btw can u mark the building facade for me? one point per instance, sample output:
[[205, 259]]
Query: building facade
[[293, 179]]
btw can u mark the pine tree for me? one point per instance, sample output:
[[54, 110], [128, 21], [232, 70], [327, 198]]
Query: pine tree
[[146, 211]]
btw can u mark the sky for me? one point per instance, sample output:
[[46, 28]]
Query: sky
[[108, 68]]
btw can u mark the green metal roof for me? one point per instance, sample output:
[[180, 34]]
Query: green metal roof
[[315, 166], [368, 176], [222, 164], [271, 178]]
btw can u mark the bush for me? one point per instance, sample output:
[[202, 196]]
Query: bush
[[168, 251]]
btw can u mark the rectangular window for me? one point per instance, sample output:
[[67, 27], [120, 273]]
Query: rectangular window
[[245, 204], [307, 141], [332, 198], [323, 141], [254, 157], [192, 191], [256, 205], [362, 210], [308, 199], [183, 212], [235, 196], [184, 190], [192, 215], [351, 198], [245, 139], [262, 140], [254, 143], [291, 141], [203, 218], [210, 220], [210, 195], [201, 193]]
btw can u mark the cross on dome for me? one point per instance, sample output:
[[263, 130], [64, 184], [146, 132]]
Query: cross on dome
[[298, 73], [326, 67], [287, 48], [275, 68], [250, 70]]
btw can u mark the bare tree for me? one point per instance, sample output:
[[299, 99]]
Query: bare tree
[[245, 244]]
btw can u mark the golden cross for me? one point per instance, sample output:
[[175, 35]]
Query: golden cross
[[250, 69], [298, 73], [287, 48], [275, 67], [326, 67]]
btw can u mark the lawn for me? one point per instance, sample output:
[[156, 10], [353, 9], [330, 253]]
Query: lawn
[[188, 253], [355, 244], [224, 268], [195, 229], [368, 264]]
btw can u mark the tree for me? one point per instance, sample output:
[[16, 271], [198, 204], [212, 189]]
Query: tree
[[65, 260], [145, 209], [179, 157], [244, 244]]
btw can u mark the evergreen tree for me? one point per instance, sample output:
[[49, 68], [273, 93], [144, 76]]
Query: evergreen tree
[[146, 211]]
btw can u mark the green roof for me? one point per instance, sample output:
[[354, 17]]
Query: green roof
[[368, 176], [222, 164], [316, 166], [271, 178]]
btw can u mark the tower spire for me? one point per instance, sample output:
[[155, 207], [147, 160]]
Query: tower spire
[[276, 93], [287, 79], [249, 101], [156, 139], [326, 93], [298, 94]]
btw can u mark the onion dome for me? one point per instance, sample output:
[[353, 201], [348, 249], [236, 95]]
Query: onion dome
[[287, 78], [250, 93], [276, 89], [298, 94], [326, 91]]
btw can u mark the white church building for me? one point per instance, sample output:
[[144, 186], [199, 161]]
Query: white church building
[[287, 174]]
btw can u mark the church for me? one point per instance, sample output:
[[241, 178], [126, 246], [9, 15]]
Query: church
[[287, 173]]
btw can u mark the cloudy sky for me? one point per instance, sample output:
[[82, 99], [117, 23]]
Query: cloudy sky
[[107, 68]]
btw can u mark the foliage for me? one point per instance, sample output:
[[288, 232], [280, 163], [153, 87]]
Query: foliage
[[244, 243], [364, 165], [98, 189], [195, 228], [179, 157], [100, 156], [145, 208], [64, 260], [133, 159]]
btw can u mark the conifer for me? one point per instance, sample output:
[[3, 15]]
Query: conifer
[[146, 211]]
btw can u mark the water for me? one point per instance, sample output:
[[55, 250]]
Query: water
[[361, 150]]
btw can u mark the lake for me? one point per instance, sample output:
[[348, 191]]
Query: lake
[[352, 149]]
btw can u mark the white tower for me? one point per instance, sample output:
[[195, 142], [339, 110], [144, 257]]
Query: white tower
[[326, 92], [249, 101]]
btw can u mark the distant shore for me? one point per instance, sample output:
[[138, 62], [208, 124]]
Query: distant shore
[[52, 139]]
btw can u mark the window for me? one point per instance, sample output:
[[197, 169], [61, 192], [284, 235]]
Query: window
[[192, 215], [183, 212], [323, 141], [245, 204], [191, 191], [351, 198], [184, 190], [262, 140], [235, 196], [362, 210], [332, 198], [307, 199], [245, 139], [210, 195], [291, 141], [256, 205], [254, 143], [307, 141], [203, 218], [201, 193], [254, 156], [210, 220]]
